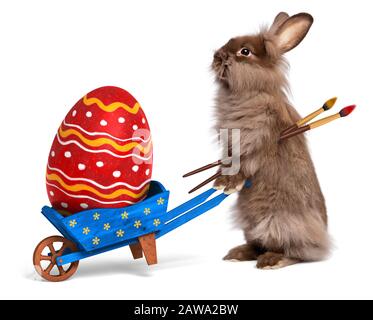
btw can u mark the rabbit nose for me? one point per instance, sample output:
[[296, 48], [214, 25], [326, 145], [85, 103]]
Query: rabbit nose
[[220, 55]]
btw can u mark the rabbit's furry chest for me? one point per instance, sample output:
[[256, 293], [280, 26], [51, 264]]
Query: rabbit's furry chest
[[256, 120]]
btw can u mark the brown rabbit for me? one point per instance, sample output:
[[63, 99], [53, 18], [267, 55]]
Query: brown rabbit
[[283, 215]]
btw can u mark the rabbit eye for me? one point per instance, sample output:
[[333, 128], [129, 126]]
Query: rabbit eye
[[244, 52]]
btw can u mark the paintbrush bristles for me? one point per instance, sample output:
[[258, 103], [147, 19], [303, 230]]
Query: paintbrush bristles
[[330, 103], [347, 111]]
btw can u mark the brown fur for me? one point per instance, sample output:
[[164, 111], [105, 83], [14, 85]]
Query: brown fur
[[284, 212]]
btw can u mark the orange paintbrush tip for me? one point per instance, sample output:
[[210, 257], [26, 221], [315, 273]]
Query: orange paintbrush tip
[[330, 103], [347, 111]]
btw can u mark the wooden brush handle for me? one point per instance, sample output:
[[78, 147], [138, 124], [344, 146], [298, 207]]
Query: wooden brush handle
[[303, 121], [310, 117], [290, 129], [294, 133], [324, 121], [216, 175], [204, 168]]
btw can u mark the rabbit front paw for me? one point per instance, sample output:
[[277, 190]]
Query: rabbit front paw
[[230, 184]]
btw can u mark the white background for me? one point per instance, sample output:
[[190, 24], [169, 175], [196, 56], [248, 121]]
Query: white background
[[53, 52]]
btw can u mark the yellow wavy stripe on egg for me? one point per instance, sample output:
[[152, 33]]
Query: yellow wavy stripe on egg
[[112, 106], [84, 187], [102, 141]]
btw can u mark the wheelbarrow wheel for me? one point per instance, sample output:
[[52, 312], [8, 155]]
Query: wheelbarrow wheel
[[45, 258]]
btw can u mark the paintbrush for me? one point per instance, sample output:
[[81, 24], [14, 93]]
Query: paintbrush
[[202, 184], [343, 113], [327, 106], [204, 168]]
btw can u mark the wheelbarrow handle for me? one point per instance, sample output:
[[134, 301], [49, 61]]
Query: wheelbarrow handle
[[192, 209], [195, 202], [190, 204]]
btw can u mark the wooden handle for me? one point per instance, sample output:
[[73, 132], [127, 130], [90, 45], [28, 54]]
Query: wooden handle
[[295, 133], [204, 168], [216, 175], [303, 121], [290, 129], [324, 121], [310, 117]]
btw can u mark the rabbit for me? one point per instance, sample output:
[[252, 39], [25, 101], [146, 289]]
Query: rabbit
[[283, 215]]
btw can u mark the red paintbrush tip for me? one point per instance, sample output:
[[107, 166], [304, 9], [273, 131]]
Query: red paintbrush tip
[[346, 111]]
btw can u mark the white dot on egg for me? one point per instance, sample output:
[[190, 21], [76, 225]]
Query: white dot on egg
[[67, 154], [84, 205], [64, 205], [143, 120], [51, 193], [74, 113], [53, 153], [116, 174], [135, 127], [81, 166], [88, 114], [99, 164], [121, 120], [103, 123], [135, 168], [147, 172]]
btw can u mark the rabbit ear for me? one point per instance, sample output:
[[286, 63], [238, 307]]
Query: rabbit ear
[[279, 20], [293, 31]]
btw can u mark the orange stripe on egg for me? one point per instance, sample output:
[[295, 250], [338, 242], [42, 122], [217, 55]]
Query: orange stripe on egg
[[74, 196], [99, 186], [112, 106], [83, 187], [102, 141]]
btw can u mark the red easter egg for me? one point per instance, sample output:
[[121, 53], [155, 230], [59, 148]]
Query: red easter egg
[[102, 154]]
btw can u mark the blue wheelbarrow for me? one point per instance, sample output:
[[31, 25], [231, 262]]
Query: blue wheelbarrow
[[95, 231]]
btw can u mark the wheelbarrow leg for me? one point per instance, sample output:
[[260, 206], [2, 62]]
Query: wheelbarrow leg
[[148, 246], [136, 250]]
